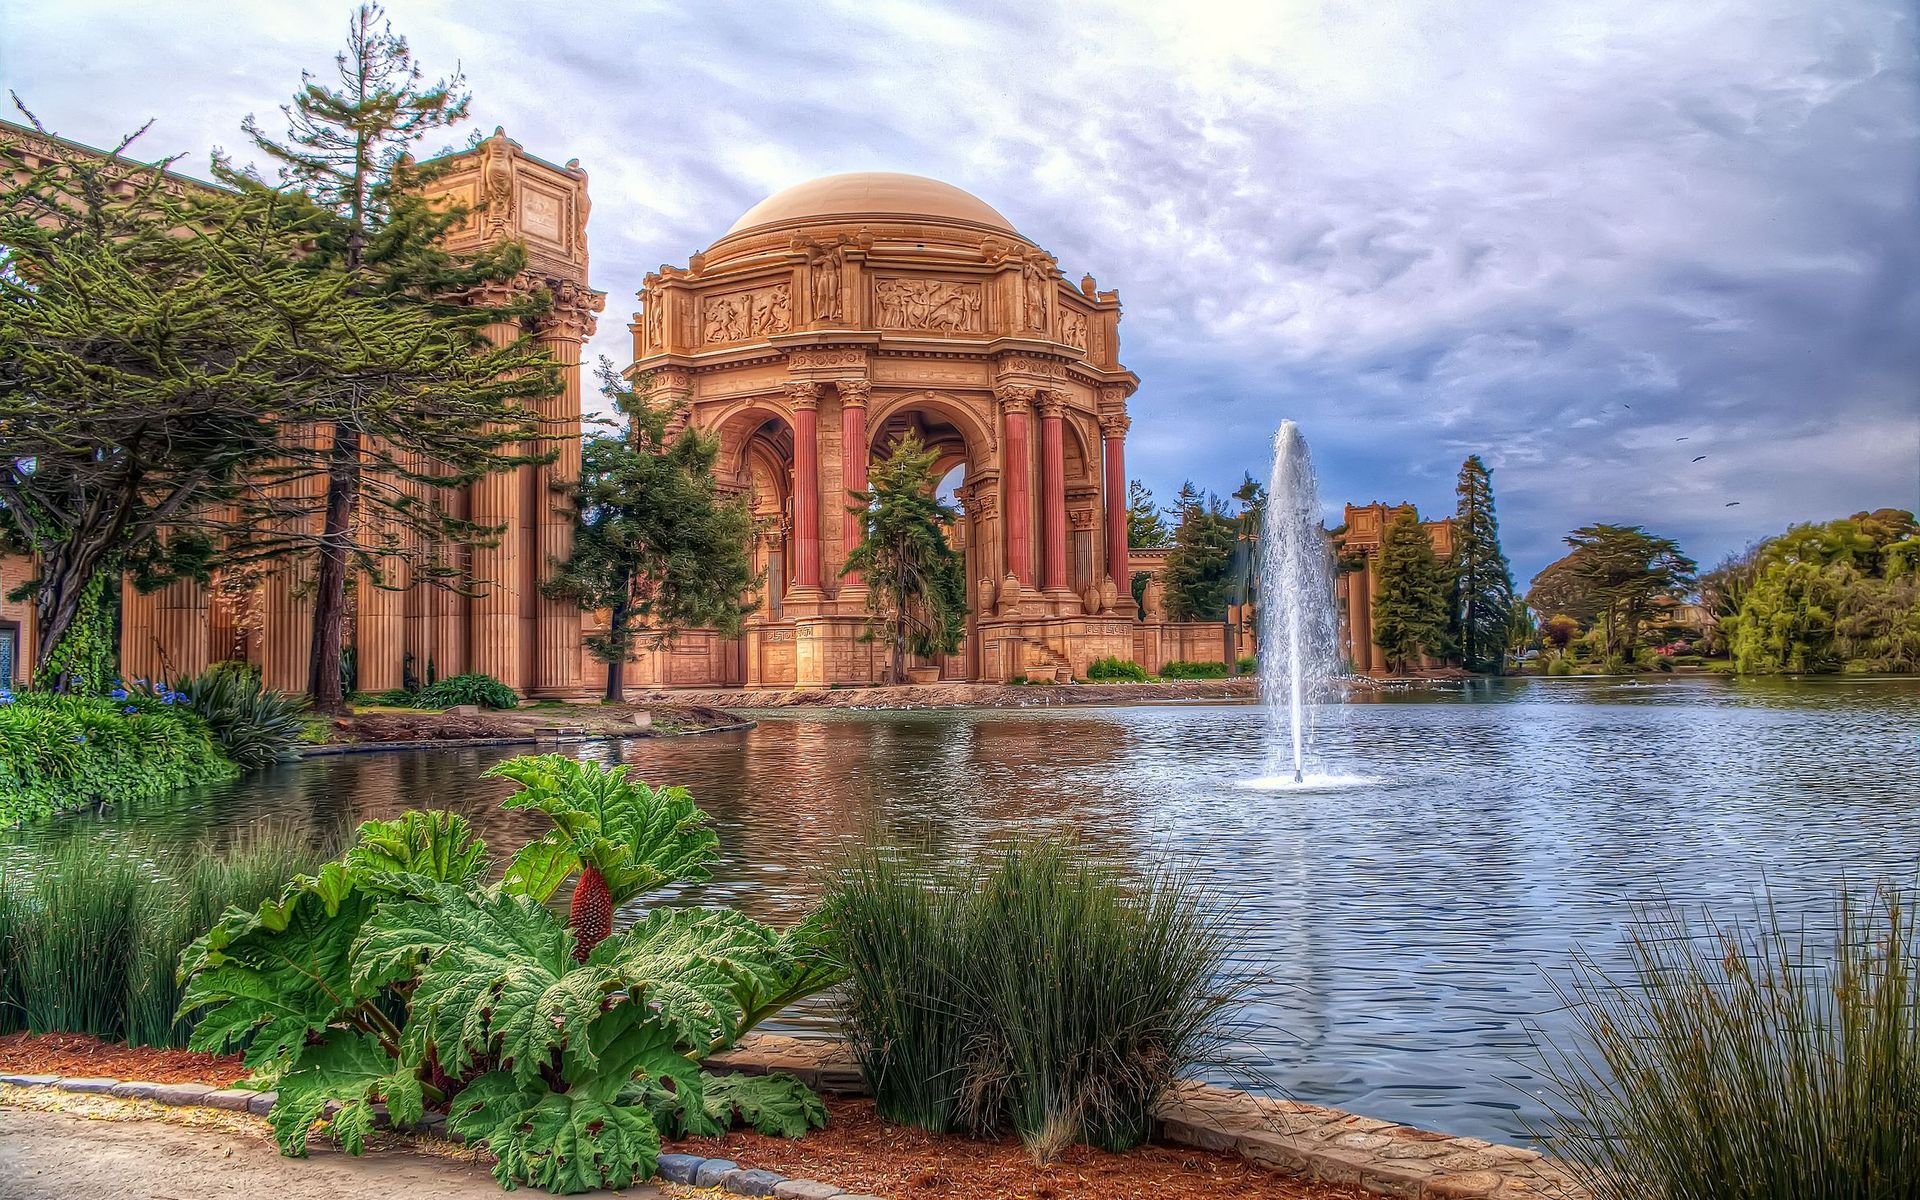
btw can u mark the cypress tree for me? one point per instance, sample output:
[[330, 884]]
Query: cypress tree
[[1199, 570], [1482, 581], [916, 580], [1410, 600], [1146, 524]]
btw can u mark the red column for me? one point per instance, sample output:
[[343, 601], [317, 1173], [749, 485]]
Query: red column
[[1016, 470], [1113, 441], [1053, 490], [853, 458], [805, 400]]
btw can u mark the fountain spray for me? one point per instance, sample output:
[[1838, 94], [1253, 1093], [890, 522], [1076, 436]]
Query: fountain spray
[[1297, 621]]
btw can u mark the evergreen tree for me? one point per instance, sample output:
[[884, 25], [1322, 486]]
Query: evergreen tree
[[916, 581], [1482, 582], [432, 405], [1199, 571], [1613, 576], [1410, 597], [1146, 524], [654, 545]]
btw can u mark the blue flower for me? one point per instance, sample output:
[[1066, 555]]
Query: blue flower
[[131, 709], [118, 693]]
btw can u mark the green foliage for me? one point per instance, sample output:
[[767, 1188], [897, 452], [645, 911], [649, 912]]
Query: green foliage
[[254, 725], [1614, 576], [1146, 522], [1819, 597], [1122, 670], [1748, 1061], [397, 972], [1029, 989], [777, 1105], [1482, 610], [483, 690], [1248, 664], [1198, 575], [1410, 600], [1181, 668], [60, 752], [916, 582], [82, 661], [654, 546], [90, 935]]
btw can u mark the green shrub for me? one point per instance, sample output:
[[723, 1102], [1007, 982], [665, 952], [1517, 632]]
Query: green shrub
[[484, 690], [1688, 660], [1558, 665], [1181, 669], [90, 938], [1778, 1060], [1031, 990], [398, 974], [1123, 670], [62, 752], [1248, 665], [255, 726]]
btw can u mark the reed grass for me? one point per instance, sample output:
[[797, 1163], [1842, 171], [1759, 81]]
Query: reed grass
[[1760, 1060], [91, 935], [1032, 990]]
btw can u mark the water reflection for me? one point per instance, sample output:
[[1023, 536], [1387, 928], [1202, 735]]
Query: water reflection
[[1403, 929]]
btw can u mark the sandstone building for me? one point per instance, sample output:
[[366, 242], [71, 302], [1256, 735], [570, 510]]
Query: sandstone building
[[1357, 545]]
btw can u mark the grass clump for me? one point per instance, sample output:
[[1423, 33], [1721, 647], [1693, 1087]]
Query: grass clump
[[1748, 1062], [1031, 990], [254, 725], [1117, 670], [90, 937], [483, 690]]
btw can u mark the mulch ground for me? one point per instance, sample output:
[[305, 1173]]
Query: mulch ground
[[860, 1152], [857, 1150], [77, 1056]]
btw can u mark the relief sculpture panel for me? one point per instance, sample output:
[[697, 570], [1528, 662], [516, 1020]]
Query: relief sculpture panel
[[737, 316], [1073, 328], [930, 304]]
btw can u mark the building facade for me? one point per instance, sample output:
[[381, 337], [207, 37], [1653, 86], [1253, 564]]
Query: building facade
[[1357, 550], [831, 319]]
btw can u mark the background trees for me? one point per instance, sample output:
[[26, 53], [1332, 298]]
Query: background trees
[[655, 547], [1482, 582], [1613, 576], [1829, 595], [915, 580], [1410, 613], [1146, 523], [1198, 576]]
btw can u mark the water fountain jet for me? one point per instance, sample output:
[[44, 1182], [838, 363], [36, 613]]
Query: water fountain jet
[[1297, 621]]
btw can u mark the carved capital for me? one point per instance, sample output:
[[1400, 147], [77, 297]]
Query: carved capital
[[1082, 518], [572, 316], [1014, 398], [1114, 425], [854, 393], [803, 394], [1053, 405]]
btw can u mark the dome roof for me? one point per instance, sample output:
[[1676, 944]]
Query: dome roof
[[876, 194]]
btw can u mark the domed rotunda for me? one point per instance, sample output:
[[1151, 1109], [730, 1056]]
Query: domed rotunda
[[837, 315]]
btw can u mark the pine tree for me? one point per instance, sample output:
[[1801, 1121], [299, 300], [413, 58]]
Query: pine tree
[[1146, 523], [1482, 581], [654, 545], [1199, 571], [1410, 598], [916, 581], [439, 419]]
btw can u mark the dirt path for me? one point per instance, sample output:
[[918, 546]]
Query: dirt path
[[96, 1150]]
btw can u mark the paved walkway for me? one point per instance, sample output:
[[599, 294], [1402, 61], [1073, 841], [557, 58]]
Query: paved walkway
[[49, 1155]]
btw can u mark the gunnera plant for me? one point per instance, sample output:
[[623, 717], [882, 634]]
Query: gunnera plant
[[1760, 1060], [1034, 989]]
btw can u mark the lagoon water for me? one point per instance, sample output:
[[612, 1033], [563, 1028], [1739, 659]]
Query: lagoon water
[[1406, 921]]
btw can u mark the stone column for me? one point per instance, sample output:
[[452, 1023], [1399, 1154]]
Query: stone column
[[804, 398], [493, 611], [139, 645], [853, 465], [1053, 491], [1113, 441], [557, 638], [380, 612], [1016, 471], [1360, 612], [286, 588]]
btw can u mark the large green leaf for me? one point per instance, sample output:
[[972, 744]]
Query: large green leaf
[[565, 1143], [417, 850], [270, 978], [691, 966], [355, 1070], [777, 1104], [639, 837], [804, 964]]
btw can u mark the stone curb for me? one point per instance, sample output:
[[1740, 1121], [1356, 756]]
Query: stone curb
[[692, 1170]]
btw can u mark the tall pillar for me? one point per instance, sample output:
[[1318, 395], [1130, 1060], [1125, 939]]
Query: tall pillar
[[493, 611], [1053, 491], [853, 463], [182, 627], [1113, 441], [1016, 471], [1360, 587], [139, 647], [286, 589], [557, 638], [804, 398]]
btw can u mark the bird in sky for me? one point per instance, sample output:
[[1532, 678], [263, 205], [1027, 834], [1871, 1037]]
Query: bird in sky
[[1732, 504], [1680, 439], [1699, 457]]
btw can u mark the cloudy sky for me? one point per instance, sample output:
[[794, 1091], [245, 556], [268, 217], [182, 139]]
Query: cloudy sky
[[1563, 234]]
